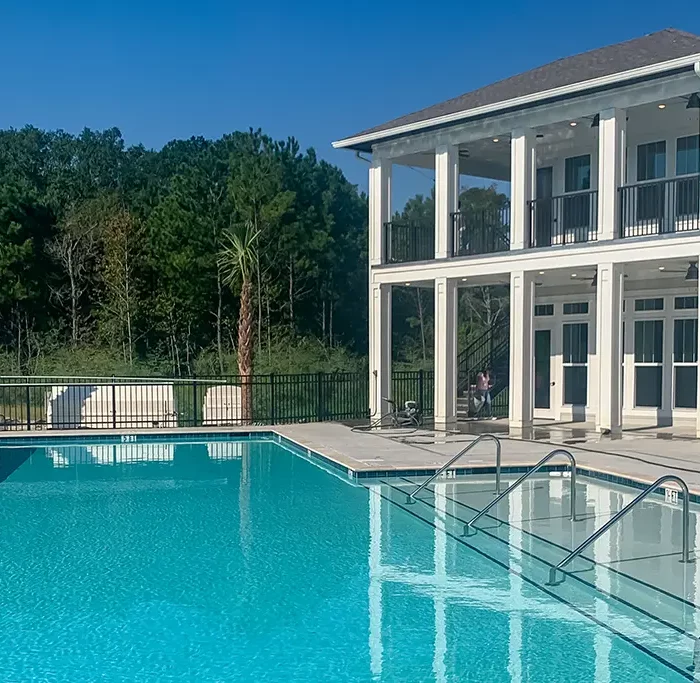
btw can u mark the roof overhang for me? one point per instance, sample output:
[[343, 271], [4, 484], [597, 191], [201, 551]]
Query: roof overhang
[[363, 143]]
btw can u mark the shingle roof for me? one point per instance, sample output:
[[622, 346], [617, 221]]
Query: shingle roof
[[654, 48]]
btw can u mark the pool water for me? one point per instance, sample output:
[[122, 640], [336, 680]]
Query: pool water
[[245, 561]]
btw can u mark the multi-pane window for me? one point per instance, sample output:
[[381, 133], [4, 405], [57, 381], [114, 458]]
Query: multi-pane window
[[648, 362], [575, 363], [688, 189], [651, 165], [649, 304], [580, 307], [577, 209], [685, 362], [544, 310], [684, 303]]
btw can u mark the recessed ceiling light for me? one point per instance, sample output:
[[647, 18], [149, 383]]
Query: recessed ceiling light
[[495, 139], [541, 272], [408, 284], [662, 106], [573, 274], [662, 267], [464, 279], [573, 124]]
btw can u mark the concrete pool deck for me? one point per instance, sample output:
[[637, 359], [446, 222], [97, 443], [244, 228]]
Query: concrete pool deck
[[641, 458]]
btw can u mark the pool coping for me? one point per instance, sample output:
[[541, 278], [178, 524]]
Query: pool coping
[[336, 460]]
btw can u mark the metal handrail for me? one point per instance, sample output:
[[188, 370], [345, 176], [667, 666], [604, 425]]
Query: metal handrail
[[411, 496], [621, 513], [528, 474]]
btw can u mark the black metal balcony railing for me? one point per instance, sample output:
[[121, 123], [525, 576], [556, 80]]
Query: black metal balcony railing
[[481, 231], [566, 219], [405, 242], [660, 207]]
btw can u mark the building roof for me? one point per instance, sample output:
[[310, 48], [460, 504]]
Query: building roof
[[655, 48]]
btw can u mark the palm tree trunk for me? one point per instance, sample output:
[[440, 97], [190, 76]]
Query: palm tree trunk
[[245, 351]]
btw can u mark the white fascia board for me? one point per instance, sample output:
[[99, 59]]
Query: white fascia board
[[613, 79], [663, 247]]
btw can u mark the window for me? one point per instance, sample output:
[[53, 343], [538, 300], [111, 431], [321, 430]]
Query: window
[[577, 173], [688, 163], [651, 165], [649, 304], [648, 362], [688, 155], [577, 308], [542, 310], [575, 363], [576, 210], [651, 161], [684, 303], [685, 359]]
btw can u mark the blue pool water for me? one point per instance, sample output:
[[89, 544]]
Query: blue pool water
[[247, 562]]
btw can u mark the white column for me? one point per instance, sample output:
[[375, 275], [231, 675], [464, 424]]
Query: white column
[[445, 405], [379, 348], [446, 195], [522, 186], [379, 207], [609, 295], [611, 163], [697, 410], [521, 349]]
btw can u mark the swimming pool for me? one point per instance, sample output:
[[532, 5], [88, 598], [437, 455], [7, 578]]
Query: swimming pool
[[244, 560]]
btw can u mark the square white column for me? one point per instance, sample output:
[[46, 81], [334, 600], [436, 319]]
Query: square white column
[[446, 196], [609, 293], [612, 134], [379, 348], [523, 166], [379, 208], [697, 408], [521, 387], [445, 404]]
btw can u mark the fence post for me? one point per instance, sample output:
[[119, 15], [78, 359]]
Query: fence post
[[272, 398], [319, 396], [29, 409], [194, 400], [420, 390], [114, 404]]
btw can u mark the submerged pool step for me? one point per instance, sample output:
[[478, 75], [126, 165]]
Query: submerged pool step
[[656, 624]]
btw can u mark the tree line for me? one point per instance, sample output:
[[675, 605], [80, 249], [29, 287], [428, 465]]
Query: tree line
[[118, 259]]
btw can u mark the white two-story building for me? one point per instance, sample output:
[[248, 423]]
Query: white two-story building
[[600, 241]]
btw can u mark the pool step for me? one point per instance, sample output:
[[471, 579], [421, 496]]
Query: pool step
[[663, 627]]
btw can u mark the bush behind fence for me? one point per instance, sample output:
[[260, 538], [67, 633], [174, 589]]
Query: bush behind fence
[[28, 403]]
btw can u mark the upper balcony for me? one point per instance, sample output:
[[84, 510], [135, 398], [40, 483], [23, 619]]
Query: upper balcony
[[584, 186]]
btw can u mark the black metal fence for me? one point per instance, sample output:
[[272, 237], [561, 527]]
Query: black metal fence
[[566, 219], [481, 231], [659, 207], [405, 242], [28, 403]]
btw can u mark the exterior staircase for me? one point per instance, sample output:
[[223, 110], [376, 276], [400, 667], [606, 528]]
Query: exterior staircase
[[491, 350]]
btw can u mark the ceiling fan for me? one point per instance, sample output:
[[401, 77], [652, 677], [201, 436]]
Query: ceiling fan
[[691, 274]]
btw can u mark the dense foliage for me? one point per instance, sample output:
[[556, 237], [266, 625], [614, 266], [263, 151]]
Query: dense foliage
[[115, 252]]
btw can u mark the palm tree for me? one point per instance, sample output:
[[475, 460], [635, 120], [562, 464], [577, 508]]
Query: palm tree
[[238, 261]]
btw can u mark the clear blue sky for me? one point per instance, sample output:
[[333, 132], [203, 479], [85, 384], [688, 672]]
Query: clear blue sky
[[316, 70]]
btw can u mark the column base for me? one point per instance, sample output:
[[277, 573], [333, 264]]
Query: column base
[[444, 423]]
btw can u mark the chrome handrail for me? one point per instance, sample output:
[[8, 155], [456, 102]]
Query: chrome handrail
[[411, 496], [529, 473], [621, 513]]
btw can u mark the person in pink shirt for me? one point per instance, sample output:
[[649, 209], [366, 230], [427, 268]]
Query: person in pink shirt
[[483, 388]]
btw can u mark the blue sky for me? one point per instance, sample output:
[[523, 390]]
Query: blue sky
[[316, 70]]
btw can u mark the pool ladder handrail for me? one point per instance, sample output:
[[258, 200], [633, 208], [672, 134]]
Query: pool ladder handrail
[[412, 496], [557, 451], [620, 514]]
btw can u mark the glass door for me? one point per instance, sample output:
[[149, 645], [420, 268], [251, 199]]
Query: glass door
[[543, 371], [577, 208]]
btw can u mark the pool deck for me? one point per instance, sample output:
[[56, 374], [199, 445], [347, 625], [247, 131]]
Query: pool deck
[[640, 458]]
